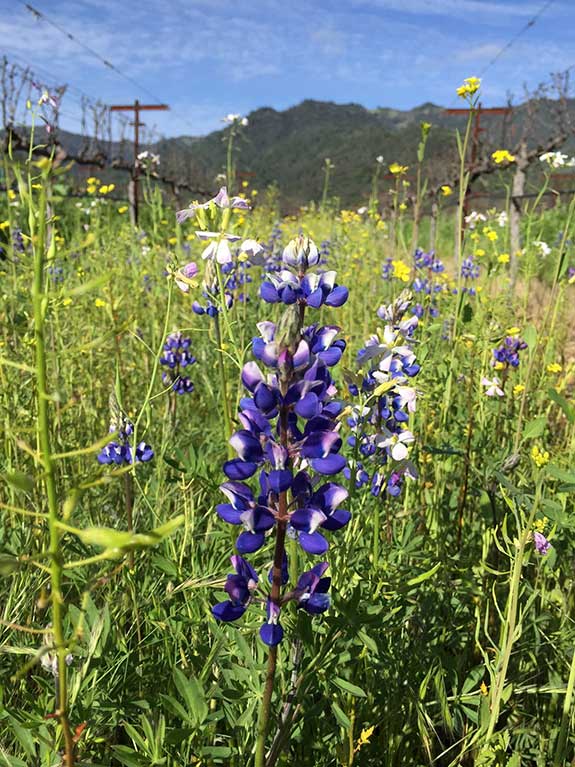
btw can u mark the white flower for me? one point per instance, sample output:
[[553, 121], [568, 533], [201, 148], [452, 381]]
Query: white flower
[[396, 444], [492, 387], [542, 247], [502, 219], [362, 210], [234, 118], [379, 159], [474, 218], [554, 159], [218, 248]]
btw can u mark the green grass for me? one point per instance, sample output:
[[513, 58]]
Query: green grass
[[454, 643]]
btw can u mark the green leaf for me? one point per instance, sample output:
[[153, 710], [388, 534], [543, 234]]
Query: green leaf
[[19, 480], [128, 756], [424, 576], [108, 538], [192, 692], [567, 408], [535, 428], [8, 564], [530, 337], [346, 686], [342, 718]]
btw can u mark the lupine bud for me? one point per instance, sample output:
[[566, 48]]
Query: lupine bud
[[288, 332], [301, 253]]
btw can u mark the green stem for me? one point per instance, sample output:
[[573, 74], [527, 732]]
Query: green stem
[[564, 728], [510, 624], [39, 300], [223, 383]]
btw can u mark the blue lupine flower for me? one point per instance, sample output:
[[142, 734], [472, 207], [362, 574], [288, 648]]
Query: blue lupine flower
[[240, 587], [120, 450], [289, 430], [176, 357], [507, 354], [379, 433], [311, 590]]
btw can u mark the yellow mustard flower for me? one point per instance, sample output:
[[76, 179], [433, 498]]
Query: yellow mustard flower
[[401, 270], [99, 303], [66, 302], [541, 524], [446, 190], [122, 209], [540, 457], [503, 258], [173, 240], [470, 86], [4, 225], [554, 367], [398, 170], [245, 184], [12, 194], [502, 155], [492, 235], [518, 389]]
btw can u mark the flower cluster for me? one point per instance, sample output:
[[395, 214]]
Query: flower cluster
[[120, 450], [506, 355], [176, 357], [310, 289], [379, 432], [289, 439]]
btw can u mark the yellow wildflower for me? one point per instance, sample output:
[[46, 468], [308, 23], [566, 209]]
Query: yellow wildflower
[[173, 240], [446, 190], [483, 688], [364, 738], [122, 209], [541, 524], [4, 225], [492, 235], [513, 331], [245, 184], [540, 457], [91, 189], [254, 192], [99, 303], [11, 194], [503, 258], [502, 155], [402, 206], [398, 170], [66, 302], [401, 270], [92, 180], [470, 86], [518, 389], [479, 252], [554, 367]]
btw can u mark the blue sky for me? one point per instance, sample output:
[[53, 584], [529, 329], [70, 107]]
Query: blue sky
[[210, 57]]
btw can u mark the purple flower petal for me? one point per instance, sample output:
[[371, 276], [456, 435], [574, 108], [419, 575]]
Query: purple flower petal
[[313, 543], [333, 464], [228, 611], [248, 542]]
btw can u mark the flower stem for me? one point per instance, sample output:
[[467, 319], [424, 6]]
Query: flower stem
[[510, 624], [275, 597], [559, 759], [39, 300]]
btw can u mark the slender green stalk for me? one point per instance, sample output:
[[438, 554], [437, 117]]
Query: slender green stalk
[[39, 300], [560, 748], [463, 182], [223, 382], [510, 623]]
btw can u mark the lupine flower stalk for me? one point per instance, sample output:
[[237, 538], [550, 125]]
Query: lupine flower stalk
[[380, 437], [289, 439]]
